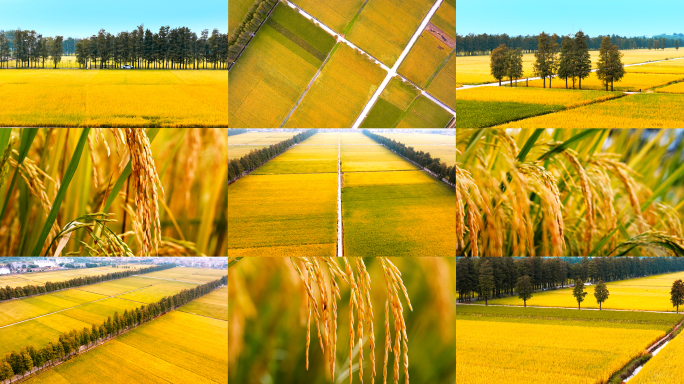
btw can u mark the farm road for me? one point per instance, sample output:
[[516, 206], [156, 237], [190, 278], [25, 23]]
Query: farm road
[[104, 298], [391, 71]]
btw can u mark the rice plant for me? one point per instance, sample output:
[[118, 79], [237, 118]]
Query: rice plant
[[113, 192], [569, 192], [398, 324]]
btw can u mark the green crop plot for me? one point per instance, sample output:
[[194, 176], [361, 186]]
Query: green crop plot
[[424, 113], [23, 309], [97, 312], [156, 292], [336, 14], [237, 10], [339, 94], [274, 70], [480, 114], [26, 333], [302, 159], [385, 37], [177, 347], [360, 158], [213, 305]]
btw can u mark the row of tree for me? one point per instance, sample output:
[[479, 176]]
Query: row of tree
[[30, 290], [70, 343], [236, 131], [177, 48], [256, 157], [572, 61], [484, 44], [243, 33], [424, 159], [556, 272]]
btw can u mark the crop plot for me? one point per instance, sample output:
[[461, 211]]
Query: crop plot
[[177, 347], [275, 69], [633, 111], [302, 159], [674, 88], [112, 97], [433, 47], [213, 305], [385, 37], [554, 346], [632, 82], [400, 105], [237, 9], [670, 66], [156, 292], [441, 147], [111, 288], [665, 367], [443, 85], [337, 97], [336, 14]]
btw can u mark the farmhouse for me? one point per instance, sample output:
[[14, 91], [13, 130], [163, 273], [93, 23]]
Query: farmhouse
[[4, 271]]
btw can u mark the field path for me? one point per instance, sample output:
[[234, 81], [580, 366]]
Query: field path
[[104, 298], [340, 248]]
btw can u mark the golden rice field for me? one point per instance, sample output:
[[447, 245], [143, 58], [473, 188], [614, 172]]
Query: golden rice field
[[565, 98], [665, 367], [673, 88], [632, 111], [475, 69], [632, 82], [669, 66], [114, 98], [441, 147], [645, 294], [544, 352]]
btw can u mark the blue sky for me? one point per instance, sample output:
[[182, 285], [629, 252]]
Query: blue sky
[[79, 18], [626, 17]]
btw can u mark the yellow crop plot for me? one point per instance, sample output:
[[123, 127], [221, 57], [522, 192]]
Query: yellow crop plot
[[633, 111], [475, 69], [634, 82], [669, 66], [674, 88], [114, 98], [521, 353], [647, 294], [442, 85], [567, 98], [665, 367]]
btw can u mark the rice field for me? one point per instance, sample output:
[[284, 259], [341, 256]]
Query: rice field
[[665, 367], [379, 191], [382, 37], [674, 88], [443, 84], [565, 192], [214, 305], [555, 346], [441, 147], [144, 189], [430, 50], [344, 86], [566, 98], [633, 111], [114, 98], [177, 347], [632, 82], [644, 294], [41, 319], [670, 66]]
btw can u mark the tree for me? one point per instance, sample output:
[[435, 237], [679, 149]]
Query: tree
[[56, 50], [616, 65], [6, 371], [524, 289], [542, 57], [677, 294], [578, 292], [656, 44], [601, 293], [566, 62], [514, 65], [486, 280], [662, 43], [28, 362], [582, 58], [497, 62], [676, 44]]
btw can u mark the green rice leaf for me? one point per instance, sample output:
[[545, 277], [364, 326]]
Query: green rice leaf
[[471, 144], [68, 175], [578, 137], [529, 144], [151, 134], [27, 136]]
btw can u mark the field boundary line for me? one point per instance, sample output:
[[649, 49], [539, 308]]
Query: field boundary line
[[340, 243]]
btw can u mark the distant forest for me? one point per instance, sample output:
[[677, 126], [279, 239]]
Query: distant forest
[[483, 44], [177, 48]]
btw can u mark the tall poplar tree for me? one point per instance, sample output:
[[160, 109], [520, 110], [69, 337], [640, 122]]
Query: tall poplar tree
[[582, 58], [566, 62], [541, 62], [56, 50], [497, 62]]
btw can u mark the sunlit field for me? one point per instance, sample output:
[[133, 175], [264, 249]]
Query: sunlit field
[[114, 98]]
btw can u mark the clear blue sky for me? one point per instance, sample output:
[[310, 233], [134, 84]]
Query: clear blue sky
[[79, 18], [595, 17]]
